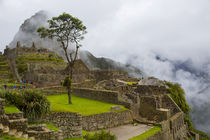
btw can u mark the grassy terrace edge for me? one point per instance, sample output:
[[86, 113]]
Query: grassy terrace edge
[[59, 103], [11, 109], [148, 133]]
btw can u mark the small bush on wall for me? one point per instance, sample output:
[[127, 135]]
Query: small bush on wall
[[103, 135], [32, 103]]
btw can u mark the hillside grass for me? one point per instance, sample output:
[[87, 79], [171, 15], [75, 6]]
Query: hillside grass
[[59, 103], [36, 58], [11, 109], [4, 71], [148, 133]]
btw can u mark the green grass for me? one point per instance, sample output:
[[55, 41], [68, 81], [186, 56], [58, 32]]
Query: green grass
[[7, 137], [74, 139], [38, 59], [3, 65], [4, 71], [48, 125], [12, 84], [59, 103], [11, 109], [147, 134], [131, 83]]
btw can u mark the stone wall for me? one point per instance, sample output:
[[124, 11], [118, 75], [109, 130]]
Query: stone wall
[[172, 129], [106, 120], [168, 102], [40, 132], [177, 126], [149, 110], [70, 123], [100, 75], [149, 90], [2, 104], [101, 95]]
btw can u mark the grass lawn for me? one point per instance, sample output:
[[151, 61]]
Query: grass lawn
[[11, 109], [147, 134], [59, 103]]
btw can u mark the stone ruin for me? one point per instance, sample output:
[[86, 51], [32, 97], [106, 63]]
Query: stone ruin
[[148, 100], [15, 125]]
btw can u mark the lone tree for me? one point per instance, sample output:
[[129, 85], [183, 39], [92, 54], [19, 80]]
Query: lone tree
[[67, 30]]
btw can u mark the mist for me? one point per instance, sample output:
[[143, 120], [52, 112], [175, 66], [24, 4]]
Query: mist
[[165, 39]]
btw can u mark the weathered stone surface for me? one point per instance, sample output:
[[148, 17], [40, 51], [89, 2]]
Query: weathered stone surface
[[70, 123], [106, 120], [116, 108]]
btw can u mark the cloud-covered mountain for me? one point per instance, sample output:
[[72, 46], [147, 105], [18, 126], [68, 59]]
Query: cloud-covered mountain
[[27, 35]]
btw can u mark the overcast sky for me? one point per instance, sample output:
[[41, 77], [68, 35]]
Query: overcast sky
[[133, 31], [177, 29]]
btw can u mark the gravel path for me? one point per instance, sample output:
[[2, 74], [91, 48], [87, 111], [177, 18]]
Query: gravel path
[[126, 132]]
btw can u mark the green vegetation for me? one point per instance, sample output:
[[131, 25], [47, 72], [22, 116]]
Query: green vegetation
[[131, 83], [22, 67], [8, 137], [32, 103], [37, 58], [84, 106], [74, 139], [11, 109], [4, 71], [3, 62], [178, 95], [12, 84], [65, 29], [202, 135], [148, 133], [103, 135], [48, 125], [3, 65]]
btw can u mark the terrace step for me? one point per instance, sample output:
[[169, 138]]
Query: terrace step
[[4, 67], [12, 132], [19, 124], [13, 116], [1, 126], [32, 138], [19, 134], [25, 136], [5, 129]]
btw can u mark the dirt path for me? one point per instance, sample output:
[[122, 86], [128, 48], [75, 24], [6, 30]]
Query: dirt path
[[126, 132]]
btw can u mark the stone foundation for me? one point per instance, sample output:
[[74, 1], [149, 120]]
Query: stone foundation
[[70, 123], [100, 95], [106, 120]]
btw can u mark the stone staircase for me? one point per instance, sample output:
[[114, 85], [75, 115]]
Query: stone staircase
[[14, 124]]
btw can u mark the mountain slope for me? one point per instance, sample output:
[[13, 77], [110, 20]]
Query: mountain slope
[[27, 34]]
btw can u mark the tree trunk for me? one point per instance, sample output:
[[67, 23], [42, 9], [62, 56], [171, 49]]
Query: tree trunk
[[70, 88], [69, 94]]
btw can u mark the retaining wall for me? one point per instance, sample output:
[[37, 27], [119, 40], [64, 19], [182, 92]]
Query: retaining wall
[[70, 123], [106, 120], [104, 96]]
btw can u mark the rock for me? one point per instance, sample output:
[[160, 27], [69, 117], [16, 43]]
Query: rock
[[116, 108]]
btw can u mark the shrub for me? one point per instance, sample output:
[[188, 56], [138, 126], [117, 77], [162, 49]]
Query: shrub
[[32, 103], [103, 135], [67, 82], [178, 95]]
